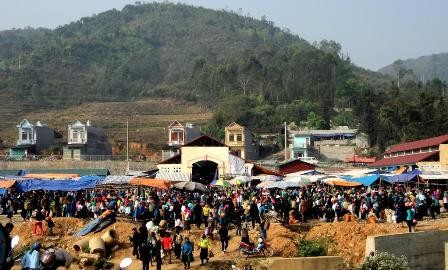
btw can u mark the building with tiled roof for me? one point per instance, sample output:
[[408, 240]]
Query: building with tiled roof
[[431, 150]]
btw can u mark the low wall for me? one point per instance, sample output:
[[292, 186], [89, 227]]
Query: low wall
[[115, 167], [423, 250], [305, 263]]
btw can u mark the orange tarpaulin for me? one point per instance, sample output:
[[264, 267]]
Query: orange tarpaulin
[[52, 175], [156, 183], [342, 183], [7, 183], [400, 170]]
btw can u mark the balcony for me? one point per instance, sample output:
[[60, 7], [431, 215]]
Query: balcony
[[26, 142], [175, 143], [235, 143], [77, 141]]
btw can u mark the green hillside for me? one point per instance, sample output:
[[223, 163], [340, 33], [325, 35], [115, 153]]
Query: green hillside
[[244, 69], [423, 68]]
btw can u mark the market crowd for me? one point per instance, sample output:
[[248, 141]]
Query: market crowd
[[167, 216]]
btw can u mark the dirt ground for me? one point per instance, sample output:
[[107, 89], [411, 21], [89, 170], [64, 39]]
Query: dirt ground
[[345, 238]]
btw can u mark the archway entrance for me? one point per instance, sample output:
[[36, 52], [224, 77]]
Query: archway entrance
[[204, 171]]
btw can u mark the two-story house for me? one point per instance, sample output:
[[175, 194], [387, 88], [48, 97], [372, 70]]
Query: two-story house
[[32, 139], [335, 144], [179, 135], [85, 140], [241, 142]]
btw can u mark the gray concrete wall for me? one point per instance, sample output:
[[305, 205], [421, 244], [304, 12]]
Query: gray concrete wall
[[115, 167], [424, 250], [336, 152], [305, 263]]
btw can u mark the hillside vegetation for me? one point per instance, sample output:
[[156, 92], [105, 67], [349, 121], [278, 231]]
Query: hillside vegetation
[[245, 70], [427, 67]]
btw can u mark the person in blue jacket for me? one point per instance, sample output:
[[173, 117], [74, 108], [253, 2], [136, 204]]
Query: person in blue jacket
[[31, 259], [187, 252]]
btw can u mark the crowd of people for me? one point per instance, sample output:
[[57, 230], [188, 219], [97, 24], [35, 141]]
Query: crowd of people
[[167, 216]]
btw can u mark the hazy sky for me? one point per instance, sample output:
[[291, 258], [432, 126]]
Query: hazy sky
[[374, 33]]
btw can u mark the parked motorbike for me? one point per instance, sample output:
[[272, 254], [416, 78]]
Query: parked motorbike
[[250, 249]]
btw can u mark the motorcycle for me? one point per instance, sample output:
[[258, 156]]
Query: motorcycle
[[247, 250]]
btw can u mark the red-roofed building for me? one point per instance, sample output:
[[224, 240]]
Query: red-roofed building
[[411, 153], [359, 160]]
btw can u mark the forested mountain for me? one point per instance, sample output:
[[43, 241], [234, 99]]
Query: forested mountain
[[246, 70], [422, 68]]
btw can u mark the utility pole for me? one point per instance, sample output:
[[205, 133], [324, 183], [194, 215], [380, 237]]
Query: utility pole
[[127, 145], [286, 143]]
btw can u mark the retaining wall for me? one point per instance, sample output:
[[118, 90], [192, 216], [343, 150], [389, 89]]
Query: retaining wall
[[424, 250], [115, 167], [305, 263]]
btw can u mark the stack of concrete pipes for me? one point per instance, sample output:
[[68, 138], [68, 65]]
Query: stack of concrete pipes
[[98, 245]]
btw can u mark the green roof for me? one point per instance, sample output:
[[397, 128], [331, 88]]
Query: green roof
[[9, 172], [81, 172]]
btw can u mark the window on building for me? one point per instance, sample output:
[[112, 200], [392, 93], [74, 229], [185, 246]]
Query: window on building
[[75, 135], [24, 135], [239, 137], [165, 169], [177, 169], [246, 170]]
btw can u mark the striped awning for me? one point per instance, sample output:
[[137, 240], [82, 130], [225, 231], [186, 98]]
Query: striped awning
[[172, 176]]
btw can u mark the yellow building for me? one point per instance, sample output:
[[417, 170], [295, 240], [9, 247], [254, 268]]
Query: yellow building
[[204, 159], [441, 165], [241, 142], [443, 152]]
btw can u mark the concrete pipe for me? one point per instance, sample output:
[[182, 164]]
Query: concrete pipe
[[81, 244], [110, 237], [97, 245]]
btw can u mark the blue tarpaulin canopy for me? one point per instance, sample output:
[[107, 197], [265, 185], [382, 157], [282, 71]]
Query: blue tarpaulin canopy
[[401, 178], [84, 182], [366, 180]]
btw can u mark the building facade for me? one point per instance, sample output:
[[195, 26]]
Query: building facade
[[241, 142], [204, 159], [179, 135], [32, 139], [426, 154], [334, 144], [85, 140]]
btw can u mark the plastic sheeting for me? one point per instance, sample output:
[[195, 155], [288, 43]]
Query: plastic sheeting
[[366, 180], [2, 191], [173, 176], [401, 178], [115, 180], [7, 183], [52, 175], [237, 165], [156, 183], [85, 182], [341, 182]]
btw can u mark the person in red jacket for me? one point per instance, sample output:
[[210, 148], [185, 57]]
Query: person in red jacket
[[167, 243], [38, 222]]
